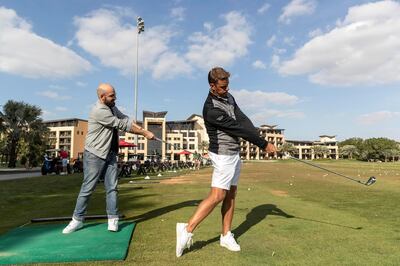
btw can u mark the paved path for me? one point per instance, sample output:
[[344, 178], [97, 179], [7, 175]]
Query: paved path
[[18, 173]]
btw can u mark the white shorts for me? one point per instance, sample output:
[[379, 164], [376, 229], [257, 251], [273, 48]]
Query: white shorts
[[226, 170]]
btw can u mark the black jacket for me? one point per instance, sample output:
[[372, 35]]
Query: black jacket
[[226, 123]]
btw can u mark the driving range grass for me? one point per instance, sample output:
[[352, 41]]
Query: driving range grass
[[287, 213]]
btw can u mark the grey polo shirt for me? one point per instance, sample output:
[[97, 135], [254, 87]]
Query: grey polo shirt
[[100, 128]]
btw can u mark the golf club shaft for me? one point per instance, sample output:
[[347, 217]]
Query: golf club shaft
[[158, 139], [322, 168]]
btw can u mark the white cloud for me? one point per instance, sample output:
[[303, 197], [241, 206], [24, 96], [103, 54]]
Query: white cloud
[[275, 61], [258, 64], [53, 95], [46, 115], [61, 109], [288, 40], [315, 33], [103, 34], [263, 8], [378, 117], [170, 65], [271, 41], [257, 105], [208, 26], [363, 49], [262, 117], [27, 54], [259, 99], [297, 8], [221, 46], [178, 13]]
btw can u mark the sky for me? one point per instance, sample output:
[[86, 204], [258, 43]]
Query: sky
[[310, 67]]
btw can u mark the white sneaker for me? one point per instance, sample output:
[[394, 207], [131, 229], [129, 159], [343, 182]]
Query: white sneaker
[[183, 238], [229, 242], [113, 224], [73, 226]]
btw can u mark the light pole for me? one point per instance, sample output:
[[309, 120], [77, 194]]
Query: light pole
[[140, 29]]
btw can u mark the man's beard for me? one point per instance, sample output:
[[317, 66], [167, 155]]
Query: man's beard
[[110, 104]]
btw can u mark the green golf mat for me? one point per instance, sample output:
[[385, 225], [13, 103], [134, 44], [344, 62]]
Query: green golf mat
[[47, 243]]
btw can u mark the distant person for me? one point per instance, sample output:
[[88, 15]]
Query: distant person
[[100, 156], [196, 159], [225, 124], [64, 157]]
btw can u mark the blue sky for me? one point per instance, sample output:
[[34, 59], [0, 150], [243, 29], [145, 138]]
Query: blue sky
[[311, 67]]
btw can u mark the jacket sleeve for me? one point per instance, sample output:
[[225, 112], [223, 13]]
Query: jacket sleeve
[[120, 121], [241, 127]]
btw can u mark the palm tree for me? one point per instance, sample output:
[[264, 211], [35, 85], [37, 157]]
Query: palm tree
[[320, 151], [22, 121], [288, 148], [349, 151], [203, 146]]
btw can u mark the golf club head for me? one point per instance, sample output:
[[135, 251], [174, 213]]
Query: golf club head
[[370, 181]]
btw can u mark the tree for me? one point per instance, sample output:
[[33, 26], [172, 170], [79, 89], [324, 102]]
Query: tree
[[321, 151], [288, 148], [21, 121], [379, 148], [203, 146], [349, 151], [357, 142]]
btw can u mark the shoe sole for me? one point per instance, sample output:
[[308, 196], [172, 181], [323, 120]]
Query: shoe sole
[[80, 227], [226, 246], [178, 236]]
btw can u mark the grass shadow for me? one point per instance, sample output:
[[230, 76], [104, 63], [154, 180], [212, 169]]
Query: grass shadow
[[161, 211], [255, 216]]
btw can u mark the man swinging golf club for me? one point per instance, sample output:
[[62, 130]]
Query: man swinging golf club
[[100, 156], [225, 124]]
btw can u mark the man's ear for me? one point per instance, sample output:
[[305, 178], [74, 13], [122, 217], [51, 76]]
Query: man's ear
[[212, 87], [102, 98]]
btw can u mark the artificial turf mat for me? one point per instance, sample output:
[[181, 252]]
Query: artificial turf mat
[[46, 243]]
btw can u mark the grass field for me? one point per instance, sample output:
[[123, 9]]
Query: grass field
[[287, 213]]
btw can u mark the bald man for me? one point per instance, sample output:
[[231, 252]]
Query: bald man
[[100, 156]]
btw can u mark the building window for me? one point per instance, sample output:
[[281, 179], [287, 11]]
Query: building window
[[192, 134], [191, 146]]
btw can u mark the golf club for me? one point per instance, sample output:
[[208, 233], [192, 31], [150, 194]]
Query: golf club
[[369, 182], [158, 139]]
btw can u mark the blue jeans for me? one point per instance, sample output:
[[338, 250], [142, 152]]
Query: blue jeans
[[94, 168]]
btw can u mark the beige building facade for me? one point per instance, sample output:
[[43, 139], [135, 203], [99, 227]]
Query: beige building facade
[[67, 134], [180, 136], [306, 149], [249, 151]]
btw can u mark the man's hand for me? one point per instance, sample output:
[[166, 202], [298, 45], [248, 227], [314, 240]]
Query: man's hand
[[270, 148], [148, 134]]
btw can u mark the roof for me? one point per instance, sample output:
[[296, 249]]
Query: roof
[[154, 114], [192, 116], [64, 119], [303, 141], [269, 126]]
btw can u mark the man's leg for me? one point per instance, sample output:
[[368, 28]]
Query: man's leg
[[227, 210], [206, 206], [92, 170], [110, 184], [184, 231]]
